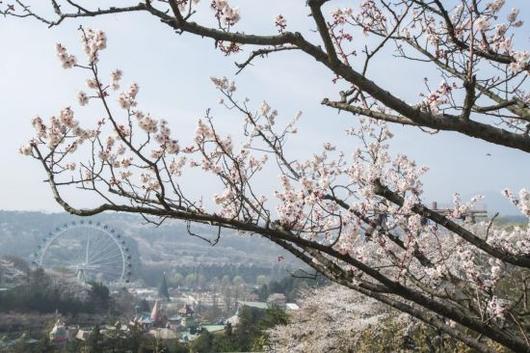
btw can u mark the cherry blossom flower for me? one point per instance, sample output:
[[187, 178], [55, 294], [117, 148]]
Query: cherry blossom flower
[[67, 60], [148, 124], [512, 16], [522, 60], [116, 78], [496, 5], [281, 23], [224, 84], [82, 98], [482, 23], [26, 150], [227, 14], [67, 118], [329, 147], [439, 97], [94, 41]]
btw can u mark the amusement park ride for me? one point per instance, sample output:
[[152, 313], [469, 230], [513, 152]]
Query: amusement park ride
[[90, 250]]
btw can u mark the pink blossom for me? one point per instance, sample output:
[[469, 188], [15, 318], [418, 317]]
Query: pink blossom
[[26, 150], [67, 60], [225, 13], [482, 23], [281, 23], [82, 98], [116, 78]]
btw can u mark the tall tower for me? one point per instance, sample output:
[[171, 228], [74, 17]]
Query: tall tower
[[163, 292]]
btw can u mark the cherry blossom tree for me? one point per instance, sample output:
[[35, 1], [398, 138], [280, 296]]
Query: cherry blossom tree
[[356, 216], [330, 320], [335, 319]]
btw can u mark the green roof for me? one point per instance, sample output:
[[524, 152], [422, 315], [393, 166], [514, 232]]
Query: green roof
[[259, 305], [213, 328]]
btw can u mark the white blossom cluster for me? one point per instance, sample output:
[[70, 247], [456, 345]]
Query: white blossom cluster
[[362, 204], [227, 14]]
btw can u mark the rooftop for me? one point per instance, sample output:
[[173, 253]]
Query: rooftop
[[258, 305], [213, 328]]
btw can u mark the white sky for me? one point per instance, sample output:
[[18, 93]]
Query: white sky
[[173, 73]]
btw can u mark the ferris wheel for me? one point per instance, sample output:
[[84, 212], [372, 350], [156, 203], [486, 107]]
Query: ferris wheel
[[89, 250]]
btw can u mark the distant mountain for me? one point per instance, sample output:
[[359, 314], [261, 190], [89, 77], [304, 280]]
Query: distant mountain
[[513, 219], [169, 244]]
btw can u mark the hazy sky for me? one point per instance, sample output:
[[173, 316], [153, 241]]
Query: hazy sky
[[173, 73]]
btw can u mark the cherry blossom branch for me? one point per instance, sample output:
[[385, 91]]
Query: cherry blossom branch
[[262, 53], [323, 29], [328, 213], [500, 58], [369, 113], [518, 260], [425, 119]]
